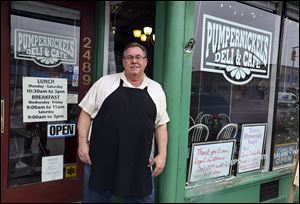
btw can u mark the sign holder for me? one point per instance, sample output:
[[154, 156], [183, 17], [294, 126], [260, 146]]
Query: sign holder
[[295, 181]]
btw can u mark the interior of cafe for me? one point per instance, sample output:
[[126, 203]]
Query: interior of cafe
[[131, 21]]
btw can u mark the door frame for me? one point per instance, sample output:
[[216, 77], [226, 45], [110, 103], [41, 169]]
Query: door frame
[[65, 190]]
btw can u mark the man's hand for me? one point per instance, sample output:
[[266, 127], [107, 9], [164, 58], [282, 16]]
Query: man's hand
[[159, 162], [83, 153], [161, 136]]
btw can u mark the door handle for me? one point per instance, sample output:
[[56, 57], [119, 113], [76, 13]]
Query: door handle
[[2, 116]]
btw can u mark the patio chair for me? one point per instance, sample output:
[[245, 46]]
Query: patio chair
[[229, 131], [198, 133]]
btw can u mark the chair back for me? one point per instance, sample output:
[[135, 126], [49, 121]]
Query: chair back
[[227, 132], [198, 133], [223, 119], [191, 121], [207, 119], [198, 117]]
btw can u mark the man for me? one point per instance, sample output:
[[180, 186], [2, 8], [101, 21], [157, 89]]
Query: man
[[126, 109]]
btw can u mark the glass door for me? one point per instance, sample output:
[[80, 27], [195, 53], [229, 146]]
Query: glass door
[[43, 73], [44, 90]]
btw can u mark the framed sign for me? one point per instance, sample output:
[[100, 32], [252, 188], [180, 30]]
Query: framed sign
[[211, 160], [251, 147], [284, 154]]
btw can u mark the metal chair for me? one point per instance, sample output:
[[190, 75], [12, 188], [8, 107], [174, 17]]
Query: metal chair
[[229, 131], [198, 133]]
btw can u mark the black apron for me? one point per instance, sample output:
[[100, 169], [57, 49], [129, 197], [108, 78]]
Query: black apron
[[121, 141]]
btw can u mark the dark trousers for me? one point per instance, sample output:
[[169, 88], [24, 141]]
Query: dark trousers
[[92, 196]]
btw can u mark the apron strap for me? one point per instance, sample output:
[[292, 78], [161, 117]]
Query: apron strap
[[121, 83]]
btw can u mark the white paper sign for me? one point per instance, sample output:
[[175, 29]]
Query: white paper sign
[[251, 147], [210, 160], [73, 98], [52, 168], [44, 99]]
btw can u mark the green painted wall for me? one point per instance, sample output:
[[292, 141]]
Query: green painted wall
[[99, 40], [244, 190], [172, 68], [173, 53], [160, 22]]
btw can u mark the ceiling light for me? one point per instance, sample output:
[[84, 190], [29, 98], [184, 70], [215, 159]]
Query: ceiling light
[[137, 33], [147, 30], [143, 37]]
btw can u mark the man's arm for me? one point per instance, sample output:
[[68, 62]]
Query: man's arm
[[161, 136], [84, 123]]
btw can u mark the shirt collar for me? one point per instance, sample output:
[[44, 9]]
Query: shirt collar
[[126, 83]]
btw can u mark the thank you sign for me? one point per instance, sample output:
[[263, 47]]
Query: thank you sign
[[237, 51], [210, 160], [44, 49]]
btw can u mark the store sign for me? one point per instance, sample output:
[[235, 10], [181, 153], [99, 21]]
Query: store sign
[[237, 51], [44, 99], [61, 130], [251, 147], [284, 154], [52, 168], [44, 49], [70, 171]]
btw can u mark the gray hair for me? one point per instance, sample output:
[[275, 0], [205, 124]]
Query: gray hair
[[135, 44]]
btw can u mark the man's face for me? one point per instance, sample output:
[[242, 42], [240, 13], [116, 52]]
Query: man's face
[[134, 62]]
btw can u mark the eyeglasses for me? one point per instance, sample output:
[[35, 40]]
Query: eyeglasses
[[137, 57]]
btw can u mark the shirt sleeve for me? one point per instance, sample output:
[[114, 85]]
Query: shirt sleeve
[[162, 115], [89, 102]]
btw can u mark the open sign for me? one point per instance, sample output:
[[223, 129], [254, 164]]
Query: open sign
[[61, 130]]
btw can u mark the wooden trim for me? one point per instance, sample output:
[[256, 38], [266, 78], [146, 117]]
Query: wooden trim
[[5, 59]]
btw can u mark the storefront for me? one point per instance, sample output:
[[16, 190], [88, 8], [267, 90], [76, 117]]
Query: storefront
[[230, 71], [242, 136]]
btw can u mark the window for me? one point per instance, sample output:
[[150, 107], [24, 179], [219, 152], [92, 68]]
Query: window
[[233, 60], [287, 119]]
